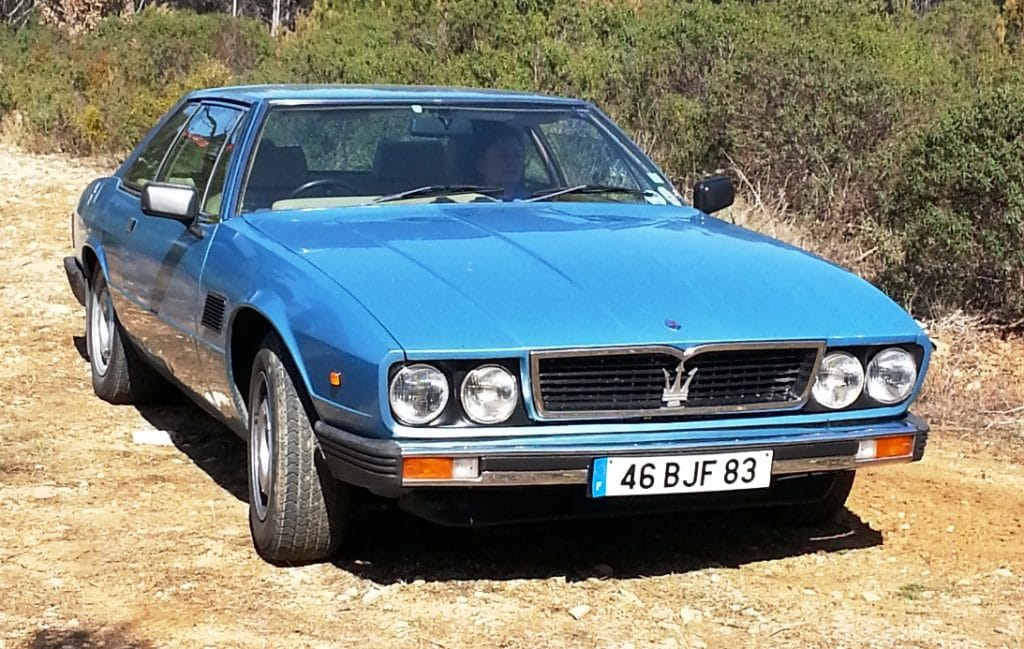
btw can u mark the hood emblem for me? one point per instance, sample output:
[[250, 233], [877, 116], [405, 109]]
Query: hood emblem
[[676, 390]]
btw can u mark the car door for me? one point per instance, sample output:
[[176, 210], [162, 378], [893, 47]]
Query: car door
[[121, 214], [165, 256]]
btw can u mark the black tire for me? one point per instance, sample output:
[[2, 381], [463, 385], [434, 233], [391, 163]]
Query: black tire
[[297, 509], [826, 499], [119, 372]]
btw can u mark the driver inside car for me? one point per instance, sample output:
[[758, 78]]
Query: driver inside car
[[500, 161]]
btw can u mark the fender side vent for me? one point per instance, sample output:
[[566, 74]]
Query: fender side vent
[[213, 312]]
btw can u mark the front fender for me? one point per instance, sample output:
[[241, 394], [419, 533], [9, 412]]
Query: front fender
[[321, 325]]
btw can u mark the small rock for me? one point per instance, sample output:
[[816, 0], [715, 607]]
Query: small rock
[[964, 582], [350, 593], [603, 570], [697, 643], [372, 596], [905, 526], [690, 615], [631, 596], [577, 612], [43, 492], [1003, 630], [871, 597], [809, 591], [951, 529], [661, 612], [1003, 572], [461, 600]]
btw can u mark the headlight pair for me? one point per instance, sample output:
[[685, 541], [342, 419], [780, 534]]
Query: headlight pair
[[420, 393], [841, 379]]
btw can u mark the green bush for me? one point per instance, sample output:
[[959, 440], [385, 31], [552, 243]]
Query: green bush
[[958, 206], [101, 91]]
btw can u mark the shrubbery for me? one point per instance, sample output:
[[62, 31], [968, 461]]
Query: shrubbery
[[101, 91], [957, 205], [852, 115]]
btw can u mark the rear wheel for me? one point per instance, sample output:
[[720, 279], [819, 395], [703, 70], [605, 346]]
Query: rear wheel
[[119, 373], [296, 508]]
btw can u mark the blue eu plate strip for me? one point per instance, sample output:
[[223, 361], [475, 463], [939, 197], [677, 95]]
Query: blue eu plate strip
[[597, 483]]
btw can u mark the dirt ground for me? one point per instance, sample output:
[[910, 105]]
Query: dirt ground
[[108, 543]]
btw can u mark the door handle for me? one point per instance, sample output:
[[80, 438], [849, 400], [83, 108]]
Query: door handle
[[132, 222]]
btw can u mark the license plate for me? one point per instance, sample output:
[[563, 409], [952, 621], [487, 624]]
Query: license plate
[[680, 474]]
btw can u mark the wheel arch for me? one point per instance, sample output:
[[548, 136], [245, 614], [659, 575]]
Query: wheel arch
[[91, 260], [249, 326]]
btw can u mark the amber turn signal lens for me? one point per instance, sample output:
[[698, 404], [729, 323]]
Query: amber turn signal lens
[[335, 378], [894, 446], [427, 468]]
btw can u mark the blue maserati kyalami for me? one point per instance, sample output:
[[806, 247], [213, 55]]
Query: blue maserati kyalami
[[471, 300]]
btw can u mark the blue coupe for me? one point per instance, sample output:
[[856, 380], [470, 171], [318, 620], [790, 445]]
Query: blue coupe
[[486, 305]]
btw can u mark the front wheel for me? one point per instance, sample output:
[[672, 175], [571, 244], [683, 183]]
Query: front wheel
[[296, 508]]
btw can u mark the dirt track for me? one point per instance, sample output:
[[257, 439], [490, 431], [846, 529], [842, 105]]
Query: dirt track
[[104, 542]]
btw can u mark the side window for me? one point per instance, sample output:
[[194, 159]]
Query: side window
[[144, 169], [211, 205], [198, 151], [584, 155]]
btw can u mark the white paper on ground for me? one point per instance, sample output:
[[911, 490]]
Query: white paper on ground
[[152, 436]]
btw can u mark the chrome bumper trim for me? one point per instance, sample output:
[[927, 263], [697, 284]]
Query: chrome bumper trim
[[582, 476]]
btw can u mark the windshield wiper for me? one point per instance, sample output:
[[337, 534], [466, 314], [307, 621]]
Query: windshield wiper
[[546, 194], [436, 190]]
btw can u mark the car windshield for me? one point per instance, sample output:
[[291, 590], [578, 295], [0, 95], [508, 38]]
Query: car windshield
[[331, 156]]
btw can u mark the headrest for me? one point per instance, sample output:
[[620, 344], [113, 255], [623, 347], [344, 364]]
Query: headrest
[[413, 163], [278, 166]]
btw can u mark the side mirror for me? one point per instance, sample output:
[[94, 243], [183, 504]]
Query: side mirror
[[713, 194], [178, 202]]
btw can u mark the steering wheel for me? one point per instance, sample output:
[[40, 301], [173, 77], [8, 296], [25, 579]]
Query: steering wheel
[[303, 189]]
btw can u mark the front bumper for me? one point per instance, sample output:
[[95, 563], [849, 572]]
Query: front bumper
[[76, 278], [566, 460]]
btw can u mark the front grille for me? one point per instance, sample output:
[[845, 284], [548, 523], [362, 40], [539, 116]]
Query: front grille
[[633, 382]]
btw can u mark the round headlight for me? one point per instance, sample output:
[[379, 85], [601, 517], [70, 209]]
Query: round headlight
[[892, 374], [418, 394], [839, 381], [489, 394]]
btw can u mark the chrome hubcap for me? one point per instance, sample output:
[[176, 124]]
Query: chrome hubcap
[[261, 451], [101, 330]]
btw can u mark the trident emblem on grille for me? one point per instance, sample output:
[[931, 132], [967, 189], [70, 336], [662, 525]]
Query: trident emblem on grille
[[676, 391]]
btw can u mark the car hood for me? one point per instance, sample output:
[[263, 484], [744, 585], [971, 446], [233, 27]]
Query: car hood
[[460, 277]]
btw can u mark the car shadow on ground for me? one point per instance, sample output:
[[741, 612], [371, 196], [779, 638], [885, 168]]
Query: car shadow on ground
[[386, 545], [391, 547], [209, 444]]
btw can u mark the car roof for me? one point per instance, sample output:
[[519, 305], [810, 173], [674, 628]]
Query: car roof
[[383, 93]]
